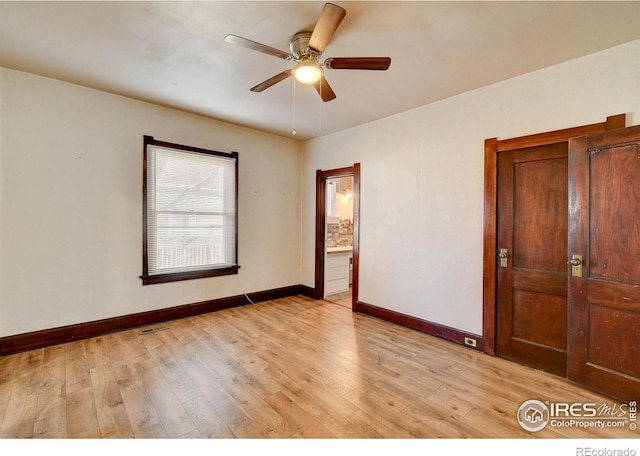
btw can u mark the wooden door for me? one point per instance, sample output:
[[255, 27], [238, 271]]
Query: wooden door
[[532, 239], [604, 229]]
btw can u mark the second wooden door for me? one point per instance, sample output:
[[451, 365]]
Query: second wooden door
[[604, 243]]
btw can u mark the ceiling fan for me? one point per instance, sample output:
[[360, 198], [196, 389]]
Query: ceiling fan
[[306, 49]]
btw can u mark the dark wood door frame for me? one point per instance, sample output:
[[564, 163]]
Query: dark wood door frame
[[321, 182], [492, 147]]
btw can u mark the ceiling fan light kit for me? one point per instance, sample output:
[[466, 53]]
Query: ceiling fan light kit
[[306, 50], [307, 72]]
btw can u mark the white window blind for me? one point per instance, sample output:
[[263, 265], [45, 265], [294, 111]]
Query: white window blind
[[191, 211]]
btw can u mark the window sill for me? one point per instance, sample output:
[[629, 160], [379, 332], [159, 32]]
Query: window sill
[[178, 276]]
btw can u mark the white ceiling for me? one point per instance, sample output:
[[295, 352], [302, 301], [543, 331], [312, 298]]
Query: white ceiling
[[174, 53]]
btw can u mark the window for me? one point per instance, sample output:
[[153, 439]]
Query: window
[[190, 212], [330, 197]]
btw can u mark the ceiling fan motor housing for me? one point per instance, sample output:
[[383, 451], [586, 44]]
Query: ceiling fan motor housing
[[299, 46]]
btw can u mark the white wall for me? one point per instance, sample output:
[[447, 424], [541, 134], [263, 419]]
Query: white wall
[[71, 193], [71, 204], [422, 179]]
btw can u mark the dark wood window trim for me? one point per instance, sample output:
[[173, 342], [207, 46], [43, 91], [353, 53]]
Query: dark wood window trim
[[492, 147], [149, 279]]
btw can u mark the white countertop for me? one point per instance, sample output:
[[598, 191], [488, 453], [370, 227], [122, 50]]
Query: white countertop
[[344, 249]]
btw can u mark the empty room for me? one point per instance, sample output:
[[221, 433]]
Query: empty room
[[309, 220]]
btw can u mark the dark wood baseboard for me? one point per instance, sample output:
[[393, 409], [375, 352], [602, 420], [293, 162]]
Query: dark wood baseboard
[[433, 329], [308, 292], [55, 336]]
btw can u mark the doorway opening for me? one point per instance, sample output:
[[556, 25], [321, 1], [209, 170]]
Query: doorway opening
[[338, 235], [337, 229]]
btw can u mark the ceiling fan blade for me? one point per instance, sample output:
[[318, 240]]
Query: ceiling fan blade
[[358, 63], [272, 81], [326, 26], [324, 89], [253, 45]]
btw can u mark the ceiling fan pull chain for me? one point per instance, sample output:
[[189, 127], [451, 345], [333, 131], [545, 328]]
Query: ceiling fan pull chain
[[320, 109], [294, 106]]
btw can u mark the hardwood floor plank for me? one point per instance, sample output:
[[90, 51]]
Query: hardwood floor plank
[[181, 384], [112, 414], [376, 401], [143, 417], [383, 426], [97, 352], [21, 410], [50, 419], [269, 421], [8, 374], [308, 379], [126, 376], [169, 409], [328, 409], [246, 389], [195, 370], [209, 423], [81, 415], [308, 427], [236, 419], [77, 367], [131, 345]]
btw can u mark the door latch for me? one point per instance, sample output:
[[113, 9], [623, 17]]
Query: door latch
[[576, 265], [504, 257]]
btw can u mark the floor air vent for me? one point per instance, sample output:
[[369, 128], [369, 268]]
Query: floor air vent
[[152, 330]]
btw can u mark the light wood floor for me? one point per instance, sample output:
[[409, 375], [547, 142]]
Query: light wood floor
[[343, 299], [289, 368]]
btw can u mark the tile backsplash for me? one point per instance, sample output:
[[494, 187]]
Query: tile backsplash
[[340, 234]]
